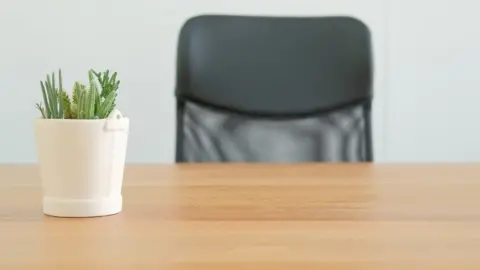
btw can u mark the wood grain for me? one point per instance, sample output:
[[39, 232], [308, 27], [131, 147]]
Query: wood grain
[[255, 216]]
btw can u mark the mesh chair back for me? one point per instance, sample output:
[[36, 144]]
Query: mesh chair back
[[267, 89]]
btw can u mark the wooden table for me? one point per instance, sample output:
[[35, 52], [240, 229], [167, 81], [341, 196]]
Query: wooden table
[[222, 217]]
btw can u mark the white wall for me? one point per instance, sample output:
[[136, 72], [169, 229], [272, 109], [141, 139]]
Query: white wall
[[427, 54], [433, 81], [137, 39]]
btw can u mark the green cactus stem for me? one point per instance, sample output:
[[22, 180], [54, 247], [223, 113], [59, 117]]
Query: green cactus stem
[[67, 106]]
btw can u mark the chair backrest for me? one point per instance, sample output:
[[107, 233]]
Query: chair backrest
[[274, 89]]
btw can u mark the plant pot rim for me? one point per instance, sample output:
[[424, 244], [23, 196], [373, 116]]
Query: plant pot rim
[[77, 121]]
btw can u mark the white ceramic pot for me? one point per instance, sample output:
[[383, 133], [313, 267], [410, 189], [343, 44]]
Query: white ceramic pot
[[81, 165]]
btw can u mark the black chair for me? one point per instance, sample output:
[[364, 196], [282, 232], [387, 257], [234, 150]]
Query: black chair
[[272, 89]]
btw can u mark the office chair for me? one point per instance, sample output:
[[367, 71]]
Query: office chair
[[274, 89]]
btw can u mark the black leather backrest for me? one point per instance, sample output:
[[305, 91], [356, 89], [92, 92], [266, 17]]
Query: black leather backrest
[[274, 65], [269, 89]]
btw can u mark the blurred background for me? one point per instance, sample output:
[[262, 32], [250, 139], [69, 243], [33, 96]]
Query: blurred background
[[426, 64]]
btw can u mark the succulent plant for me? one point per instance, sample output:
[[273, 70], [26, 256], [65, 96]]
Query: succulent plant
[[76, 89], [67, 110], [51, 97], [74, 109], [95, 102], [109, 85]]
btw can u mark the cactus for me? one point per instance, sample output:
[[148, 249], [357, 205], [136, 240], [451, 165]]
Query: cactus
[[95, 102], [92, 96], [59, 92], [77, 87], [74, 110], [67, 105], [75, 92], [81, 104]]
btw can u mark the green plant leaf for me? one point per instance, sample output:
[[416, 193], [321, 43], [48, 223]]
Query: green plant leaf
[[76, 93], [106, 106], [80, 105], [113, 79], [55, 96], [85, 104], [92, 97], [97, 103], [60, 95], [42, 111], [67, 111], [45, 100], [52, 98], [91, 103], [74, 110]]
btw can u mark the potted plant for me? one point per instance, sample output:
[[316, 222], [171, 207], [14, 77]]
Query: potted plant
[[81, 143]]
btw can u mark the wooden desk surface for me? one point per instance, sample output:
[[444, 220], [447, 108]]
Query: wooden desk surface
[[275, 217]]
